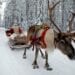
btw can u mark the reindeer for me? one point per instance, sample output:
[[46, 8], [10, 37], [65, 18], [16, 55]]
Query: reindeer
[[48, 39], [62, 42]]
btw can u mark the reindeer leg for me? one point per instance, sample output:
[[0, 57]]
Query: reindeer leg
[[42, 55], [24, 55], [33, 47], [46, 62], [35, 65]]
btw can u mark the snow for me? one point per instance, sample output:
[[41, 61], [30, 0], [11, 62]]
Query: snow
[[12, 62]]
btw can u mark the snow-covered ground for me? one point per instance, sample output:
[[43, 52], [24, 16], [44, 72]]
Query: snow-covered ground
[[12, 63]]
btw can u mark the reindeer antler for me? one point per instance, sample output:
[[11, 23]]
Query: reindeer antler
[[50, 14], [71, 20], [54, 24], [70, 34], [53, 7]]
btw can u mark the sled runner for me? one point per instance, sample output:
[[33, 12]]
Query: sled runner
[[13, 46]]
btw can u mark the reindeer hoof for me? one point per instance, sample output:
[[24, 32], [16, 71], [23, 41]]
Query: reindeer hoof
[[24, 56], [35, 66], [49, 69], [12, 48]]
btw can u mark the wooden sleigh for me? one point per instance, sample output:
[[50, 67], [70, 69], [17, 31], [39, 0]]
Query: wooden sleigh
[[20, 46]]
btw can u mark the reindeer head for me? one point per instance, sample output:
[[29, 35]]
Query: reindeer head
[[64, 44]]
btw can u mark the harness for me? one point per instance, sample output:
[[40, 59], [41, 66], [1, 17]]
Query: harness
[[40, 40]]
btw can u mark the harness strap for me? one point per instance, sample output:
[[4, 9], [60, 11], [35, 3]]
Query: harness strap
[[43, 36], [40, 40]]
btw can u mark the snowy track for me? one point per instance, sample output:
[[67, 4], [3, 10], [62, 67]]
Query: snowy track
[[12, 63]]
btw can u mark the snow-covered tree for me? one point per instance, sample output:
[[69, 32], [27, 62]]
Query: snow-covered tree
[[28, 12]]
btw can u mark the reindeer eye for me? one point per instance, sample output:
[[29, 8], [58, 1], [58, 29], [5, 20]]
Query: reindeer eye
[[62, 41], [62, 45]]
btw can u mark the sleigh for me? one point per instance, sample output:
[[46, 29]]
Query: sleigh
[[16, 38], [13, 45]]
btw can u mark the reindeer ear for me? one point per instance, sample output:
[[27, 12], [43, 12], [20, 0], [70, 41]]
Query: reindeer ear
[[68, 39]]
